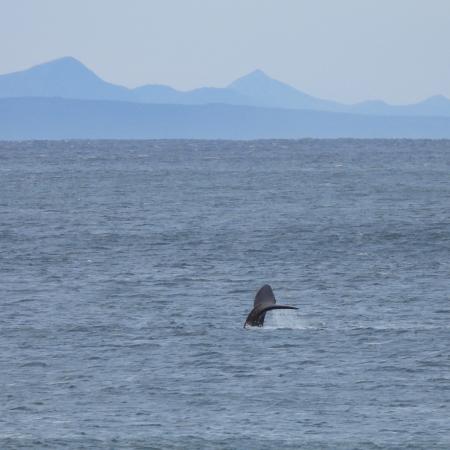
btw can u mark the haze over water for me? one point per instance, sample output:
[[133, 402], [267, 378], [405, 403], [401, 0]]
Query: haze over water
[[127, 269]]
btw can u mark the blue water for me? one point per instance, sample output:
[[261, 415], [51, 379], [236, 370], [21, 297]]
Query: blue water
[[127, 270]]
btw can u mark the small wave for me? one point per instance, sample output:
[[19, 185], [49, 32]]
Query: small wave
[[34, 364], [399, 327]]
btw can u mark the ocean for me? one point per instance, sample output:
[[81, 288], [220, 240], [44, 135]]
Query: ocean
[[127, 269]]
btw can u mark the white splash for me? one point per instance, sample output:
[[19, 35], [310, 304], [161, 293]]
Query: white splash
[[279, 318]]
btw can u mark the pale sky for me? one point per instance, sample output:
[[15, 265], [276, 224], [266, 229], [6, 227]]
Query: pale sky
[[345, 50]]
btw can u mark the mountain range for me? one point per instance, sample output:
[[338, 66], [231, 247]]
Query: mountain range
[[68, 78], [59, 95]]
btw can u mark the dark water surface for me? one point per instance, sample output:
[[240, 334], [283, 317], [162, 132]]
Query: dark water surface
[[127, 270]]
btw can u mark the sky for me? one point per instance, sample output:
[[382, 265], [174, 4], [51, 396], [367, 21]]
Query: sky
[[344, 50]]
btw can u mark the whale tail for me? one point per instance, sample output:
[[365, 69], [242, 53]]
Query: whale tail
[[264, 301]]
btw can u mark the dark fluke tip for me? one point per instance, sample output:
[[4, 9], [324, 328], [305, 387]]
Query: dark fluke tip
[[264, 301]]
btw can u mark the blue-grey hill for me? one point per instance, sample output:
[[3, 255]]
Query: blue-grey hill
[[56, 118]]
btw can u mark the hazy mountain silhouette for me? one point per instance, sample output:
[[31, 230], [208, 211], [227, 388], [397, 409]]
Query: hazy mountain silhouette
[[56, 118], [266, 91], [64, 77], [68, 78]]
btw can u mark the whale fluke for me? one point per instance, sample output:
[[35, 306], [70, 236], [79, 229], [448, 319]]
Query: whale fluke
[[264, 301]]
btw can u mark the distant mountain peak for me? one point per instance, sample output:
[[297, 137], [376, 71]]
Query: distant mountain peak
[[268, 91], [256, 76], [64, 60], [66, 63], [62, 77], [257, 73]]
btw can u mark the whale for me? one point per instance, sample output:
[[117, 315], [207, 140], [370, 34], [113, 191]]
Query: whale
[[264, 301]]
